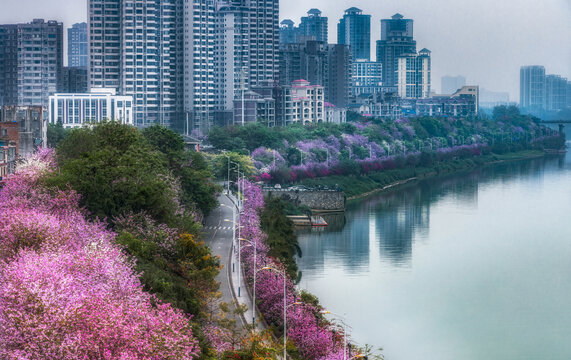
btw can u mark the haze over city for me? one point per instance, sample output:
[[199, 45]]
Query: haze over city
[[285, 179], [487, 41]]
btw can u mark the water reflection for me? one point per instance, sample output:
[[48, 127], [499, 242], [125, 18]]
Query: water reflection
[[391, 223], [470, 266]]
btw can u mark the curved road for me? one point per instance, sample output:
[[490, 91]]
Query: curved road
[[218, 234]]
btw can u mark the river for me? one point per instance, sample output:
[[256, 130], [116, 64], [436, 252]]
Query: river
[[472, 266]]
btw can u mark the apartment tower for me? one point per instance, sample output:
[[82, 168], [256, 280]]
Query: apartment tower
[[31, 62], [396, 40], [135, 48], [354, 29]]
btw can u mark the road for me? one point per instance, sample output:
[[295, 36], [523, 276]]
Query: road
[[218, 235]]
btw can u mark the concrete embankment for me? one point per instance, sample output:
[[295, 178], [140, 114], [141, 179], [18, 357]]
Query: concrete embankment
[[319, 201]]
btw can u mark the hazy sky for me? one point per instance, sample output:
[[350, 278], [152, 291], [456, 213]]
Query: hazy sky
[[485, 40]]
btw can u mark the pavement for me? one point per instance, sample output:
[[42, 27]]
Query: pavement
[[219, 234]]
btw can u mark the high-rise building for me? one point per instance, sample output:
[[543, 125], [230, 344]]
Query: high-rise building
[[77, 46], [367, 77], [229, 45], [339, 75], [74, 80], [555, 93], [305, 60], [354, 29], [263, 36], [413, 73], [397, 38], [182, 61], [314, 25], [532, 89], [31, 61], [320, 64], [452, 83], [569, 94], [289, 33], [199, 55], [135, 47], [232, 50]]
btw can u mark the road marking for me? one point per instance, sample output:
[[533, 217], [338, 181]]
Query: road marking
[[217, 228]]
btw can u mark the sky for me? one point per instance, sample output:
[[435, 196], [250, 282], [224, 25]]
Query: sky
[[487, 41]]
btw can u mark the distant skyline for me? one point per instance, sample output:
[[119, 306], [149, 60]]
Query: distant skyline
[[487, 41]]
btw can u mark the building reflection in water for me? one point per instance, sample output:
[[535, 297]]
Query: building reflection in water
[[389, 224]]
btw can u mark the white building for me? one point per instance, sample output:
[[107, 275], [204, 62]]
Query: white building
[[226, 41], [74, 110], [232, 55], [135, 47], [303, 103], [413, 75], [334, 114]]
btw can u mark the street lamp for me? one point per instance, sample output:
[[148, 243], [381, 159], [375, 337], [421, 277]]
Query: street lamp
[[301, 157], [344, 322], [283, 274], [237, 224], [254, 245]]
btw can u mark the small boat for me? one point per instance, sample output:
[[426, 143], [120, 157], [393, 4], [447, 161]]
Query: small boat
[[318, 221]]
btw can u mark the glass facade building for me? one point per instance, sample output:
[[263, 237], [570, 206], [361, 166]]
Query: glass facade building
[[77, 55], [532, 89], [354, 29]]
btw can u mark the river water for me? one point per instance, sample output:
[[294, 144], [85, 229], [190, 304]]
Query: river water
[[473, 266]]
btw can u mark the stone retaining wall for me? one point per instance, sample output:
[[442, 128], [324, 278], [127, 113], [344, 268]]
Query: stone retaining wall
[[315, 200]]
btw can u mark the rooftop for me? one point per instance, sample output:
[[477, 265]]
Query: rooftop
[[314, 12], [353, 11]]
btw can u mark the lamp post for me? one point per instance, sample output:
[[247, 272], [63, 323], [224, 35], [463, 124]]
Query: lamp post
[[344, 321], [228, 157], [237, 224], [254, 245], [238, 171]]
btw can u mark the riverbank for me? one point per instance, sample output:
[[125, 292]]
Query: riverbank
[[361, 186]]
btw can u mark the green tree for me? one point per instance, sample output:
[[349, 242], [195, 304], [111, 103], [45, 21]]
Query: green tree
[[56, 133], [117, 172], [503, 112], [281, 237], [230, 160], [179, 269], [190, 167]]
